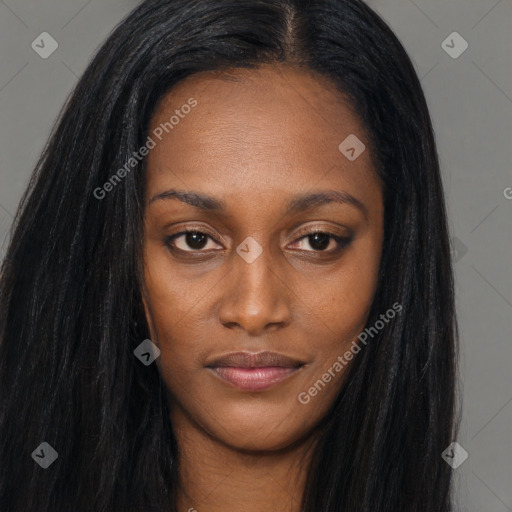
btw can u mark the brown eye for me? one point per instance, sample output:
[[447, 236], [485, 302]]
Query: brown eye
[[321, 241], [190, 241]]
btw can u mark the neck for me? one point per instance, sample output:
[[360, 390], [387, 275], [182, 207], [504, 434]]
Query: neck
[[215, 477]]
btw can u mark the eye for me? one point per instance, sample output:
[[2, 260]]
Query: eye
[[198, 241], [321, 241], [190, 241]]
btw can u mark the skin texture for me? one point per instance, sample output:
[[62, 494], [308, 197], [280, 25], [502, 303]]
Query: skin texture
[[255, 140]]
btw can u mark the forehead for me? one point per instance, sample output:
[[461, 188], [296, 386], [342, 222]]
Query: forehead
[[275, 126]]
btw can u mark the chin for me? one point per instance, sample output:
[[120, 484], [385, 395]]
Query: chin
[[258, 441], [259, 429]]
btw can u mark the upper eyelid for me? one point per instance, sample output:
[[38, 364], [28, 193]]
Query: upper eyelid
[[302, 232], [302, 235]]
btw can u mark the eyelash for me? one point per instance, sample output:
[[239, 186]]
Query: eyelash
[[341, 242]]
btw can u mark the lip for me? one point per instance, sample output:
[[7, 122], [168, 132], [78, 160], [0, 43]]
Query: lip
[[254, 371]]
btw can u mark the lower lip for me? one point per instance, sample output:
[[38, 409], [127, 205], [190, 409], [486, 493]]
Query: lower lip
[[253, 379]]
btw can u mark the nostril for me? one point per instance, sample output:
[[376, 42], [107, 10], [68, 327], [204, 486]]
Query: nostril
[[230, 325]]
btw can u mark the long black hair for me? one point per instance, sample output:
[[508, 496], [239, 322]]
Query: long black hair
[[71, 309]]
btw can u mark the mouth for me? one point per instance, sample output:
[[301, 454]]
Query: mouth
[[254, 371]]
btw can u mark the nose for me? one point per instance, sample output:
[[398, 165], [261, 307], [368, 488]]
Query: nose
[[256, 298]]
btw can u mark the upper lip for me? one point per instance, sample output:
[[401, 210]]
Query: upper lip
[[255, 360]]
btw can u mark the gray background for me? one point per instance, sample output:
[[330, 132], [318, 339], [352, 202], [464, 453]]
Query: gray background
[[470, 98]]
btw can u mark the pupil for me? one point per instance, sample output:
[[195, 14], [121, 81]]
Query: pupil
[[319, 241], [196, 240]]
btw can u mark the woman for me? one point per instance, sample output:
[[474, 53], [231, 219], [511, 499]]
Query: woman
[[229, 284]]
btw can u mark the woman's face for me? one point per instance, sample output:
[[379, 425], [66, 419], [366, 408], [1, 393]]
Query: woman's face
[[285, 260]]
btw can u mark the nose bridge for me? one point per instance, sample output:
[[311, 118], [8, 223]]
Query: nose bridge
[[253, 271], [255, 297]]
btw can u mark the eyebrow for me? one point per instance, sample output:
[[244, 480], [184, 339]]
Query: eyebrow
[[295, 205]]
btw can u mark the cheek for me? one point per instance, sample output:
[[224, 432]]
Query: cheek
[[343, 301], [175, 312], [341, 307], [171, 298]]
